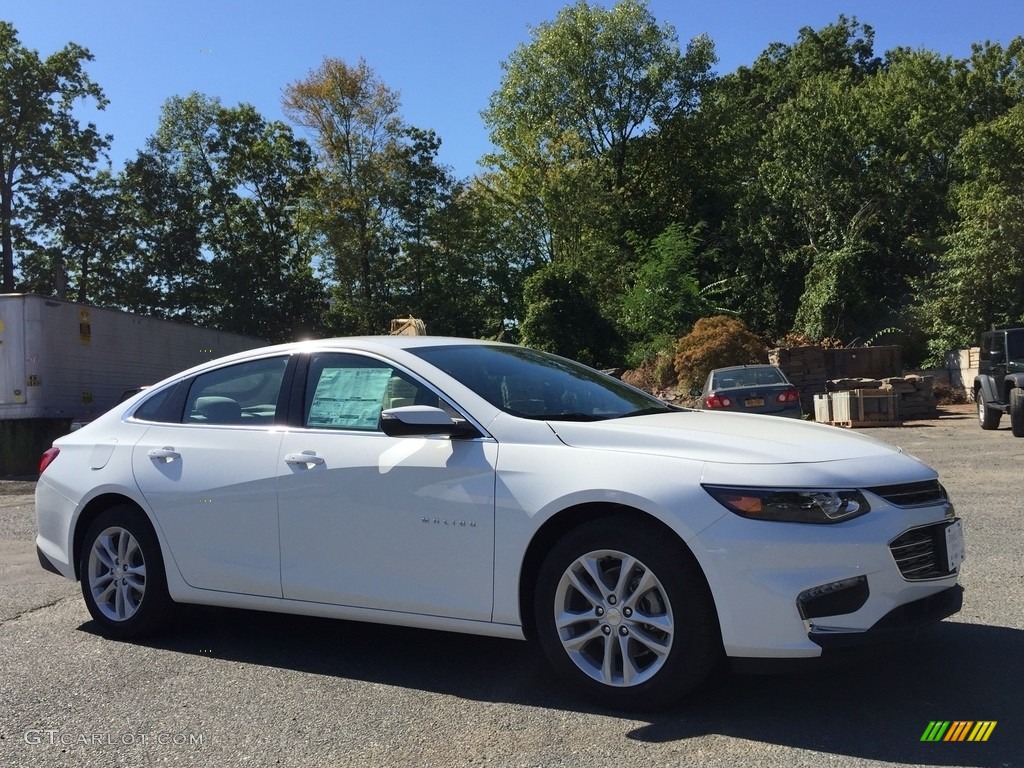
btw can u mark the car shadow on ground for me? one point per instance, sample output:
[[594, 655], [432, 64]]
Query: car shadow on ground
[[874, 709]]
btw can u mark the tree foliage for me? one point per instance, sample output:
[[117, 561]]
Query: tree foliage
[[562, 317], [980, 280], [43, 146], [825, 190], [601, 76], [381, 202], [666, 297], [215, 205]]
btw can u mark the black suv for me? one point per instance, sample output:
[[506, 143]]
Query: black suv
[[999, 385]]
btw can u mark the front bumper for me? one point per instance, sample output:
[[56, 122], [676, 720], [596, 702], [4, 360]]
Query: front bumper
[[898, 627], [792, 590]]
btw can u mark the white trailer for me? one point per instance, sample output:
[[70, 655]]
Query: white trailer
[[59, 360]]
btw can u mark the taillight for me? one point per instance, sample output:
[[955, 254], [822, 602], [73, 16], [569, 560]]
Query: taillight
[[788, 396], [717, 401], [48, 456]]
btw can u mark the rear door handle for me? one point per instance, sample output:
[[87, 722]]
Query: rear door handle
[[306, 458], [165, 454]]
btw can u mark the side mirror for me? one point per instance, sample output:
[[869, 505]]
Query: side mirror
[[413, 420], [695, 392], [996, 357]]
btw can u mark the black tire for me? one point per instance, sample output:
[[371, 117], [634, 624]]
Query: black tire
[[120, 542], [1017, 411], [988, 417], [599, 650]]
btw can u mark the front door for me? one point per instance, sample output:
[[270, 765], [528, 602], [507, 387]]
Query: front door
[[400, 524]]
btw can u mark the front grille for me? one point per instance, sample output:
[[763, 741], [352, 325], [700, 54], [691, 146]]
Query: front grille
[[920, 553], [911, 494]]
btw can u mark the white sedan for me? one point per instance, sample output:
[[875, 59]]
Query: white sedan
[[492, 489]]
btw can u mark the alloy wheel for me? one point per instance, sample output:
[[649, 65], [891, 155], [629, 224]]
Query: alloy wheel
[[614, 618], [117, 573]]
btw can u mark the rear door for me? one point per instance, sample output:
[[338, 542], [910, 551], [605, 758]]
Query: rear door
[[210, 478]]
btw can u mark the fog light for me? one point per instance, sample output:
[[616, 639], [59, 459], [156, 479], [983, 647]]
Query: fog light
[[833, 599]]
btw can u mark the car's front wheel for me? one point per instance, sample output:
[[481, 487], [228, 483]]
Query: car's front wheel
[[988, 418], [1017, 411], [625, 615], [122, 574]]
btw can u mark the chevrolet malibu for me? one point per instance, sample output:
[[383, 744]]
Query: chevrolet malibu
[[492, 489]]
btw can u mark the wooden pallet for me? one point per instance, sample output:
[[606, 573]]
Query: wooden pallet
[[860, 424]]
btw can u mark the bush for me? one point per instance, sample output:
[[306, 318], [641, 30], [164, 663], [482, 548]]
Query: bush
[[654, 374], [716, 342]]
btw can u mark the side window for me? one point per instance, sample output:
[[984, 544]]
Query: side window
[[986, 346], [346, 391], [244, 394], [1015, 346], [149, 410]]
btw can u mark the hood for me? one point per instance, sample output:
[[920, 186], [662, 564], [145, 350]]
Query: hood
[[725, 438]]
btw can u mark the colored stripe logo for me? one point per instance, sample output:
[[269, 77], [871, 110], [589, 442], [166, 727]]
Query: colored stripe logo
[[959, 730]]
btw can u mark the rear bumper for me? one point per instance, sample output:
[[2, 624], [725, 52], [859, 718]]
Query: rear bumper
[[44, 561]]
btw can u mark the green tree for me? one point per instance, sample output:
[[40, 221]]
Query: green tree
[[441, 271], [162, 268], [562, 317], [979, 282], [42, 143], [354, 119], [77, 241], [787, 154], [601, 75], [572, 105], [665, 298], [233, 254]]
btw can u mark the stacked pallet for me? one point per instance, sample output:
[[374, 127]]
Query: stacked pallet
[[916, 395]]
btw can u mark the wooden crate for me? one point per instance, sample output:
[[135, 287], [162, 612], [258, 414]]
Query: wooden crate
[[865, 408]]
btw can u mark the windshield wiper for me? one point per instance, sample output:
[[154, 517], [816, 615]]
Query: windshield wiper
[[647, 411], [563, 417]]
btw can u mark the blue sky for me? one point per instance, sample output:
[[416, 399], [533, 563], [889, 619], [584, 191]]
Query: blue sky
[[442, 56]]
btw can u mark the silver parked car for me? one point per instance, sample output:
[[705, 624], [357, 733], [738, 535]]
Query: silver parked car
[[760, 389]]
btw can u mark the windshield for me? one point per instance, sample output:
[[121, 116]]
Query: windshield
[[536, 385]]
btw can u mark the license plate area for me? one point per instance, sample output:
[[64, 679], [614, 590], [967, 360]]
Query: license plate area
[[956, 551], [754, 402]]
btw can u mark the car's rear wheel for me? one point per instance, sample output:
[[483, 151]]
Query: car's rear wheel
[[626, 616], [987, 417], [1017, 411], [122, 574]]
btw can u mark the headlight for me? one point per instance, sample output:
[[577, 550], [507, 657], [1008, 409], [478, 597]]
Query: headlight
[[790, 506]]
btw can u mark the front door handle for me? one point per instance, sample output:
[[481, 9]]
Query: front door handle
[[307, 458], [165, 454]]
